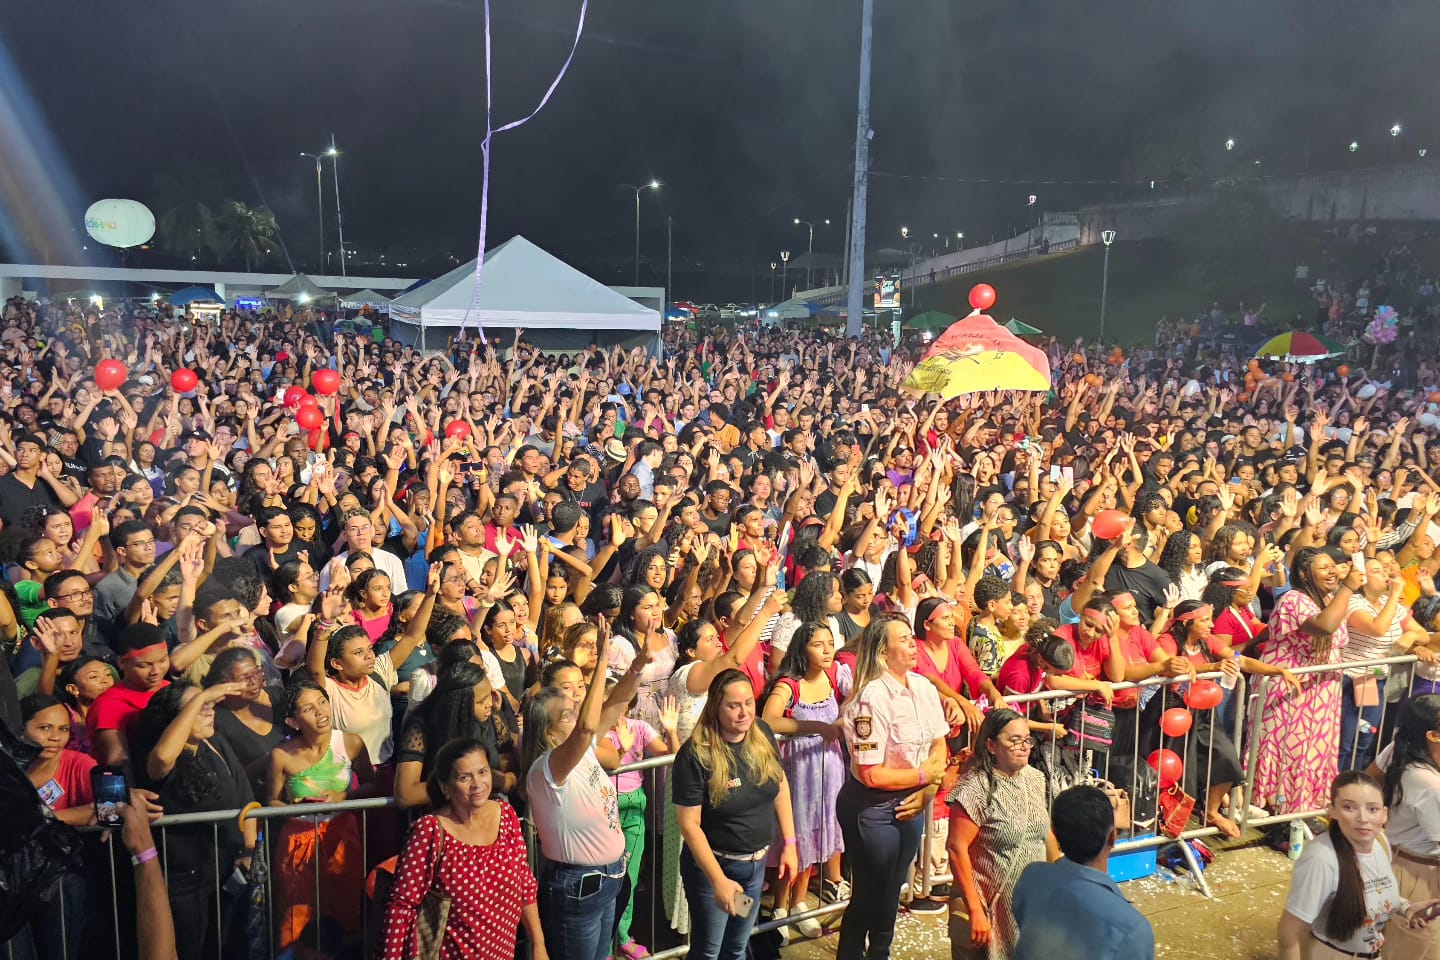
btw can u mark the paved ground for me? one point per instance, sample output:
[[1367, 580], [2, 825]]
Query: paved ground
[[1249, 886]]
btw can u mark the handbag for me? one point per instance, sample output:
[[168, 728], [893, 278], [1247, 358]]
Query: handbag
[[1119, 800], [434, 911], [1176, 806], [1089, 726]]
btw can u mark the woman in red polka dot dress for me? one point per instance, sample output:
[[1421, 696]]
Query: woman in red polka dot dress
[[473, 850]]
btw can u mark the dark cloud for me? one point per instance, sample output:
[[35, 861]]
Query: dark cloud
[[745, 109]]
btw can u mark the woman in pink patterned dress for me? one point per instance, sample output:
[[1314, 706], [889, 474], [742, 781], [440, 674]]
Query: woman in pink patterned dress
[[1300, 733]]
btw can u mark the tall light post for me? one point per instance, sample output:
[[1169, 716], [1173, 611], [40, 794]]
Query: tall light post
[[773, 267], [960, 240], [1107, 237], [784, 272], [319, 204], [810, 250], [1395, 131], [652, 185], [669, 257], [859, 198], [334, 156]]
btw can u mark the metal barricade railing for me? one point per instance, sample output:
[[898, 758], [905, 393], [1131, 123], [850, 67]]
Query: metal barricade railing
[[1248, 705]]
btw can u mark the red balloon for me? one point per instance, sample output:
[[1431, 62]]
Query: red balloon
[[306, 400], [982, 296], [1109, 524], [326, 382], [1168, 765], [459, 429], [310, 418], [110, 374], [1176, 722], [184, 380], [1204, 695], [293, 395]]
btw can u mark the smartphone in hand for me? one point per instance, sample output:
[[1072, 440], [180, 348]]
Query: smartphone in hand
[[110, 788]]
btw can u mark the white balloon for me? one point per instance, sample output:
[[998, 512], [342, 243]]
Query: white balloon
[[1366, 392], [120, 223], [1428, 419]]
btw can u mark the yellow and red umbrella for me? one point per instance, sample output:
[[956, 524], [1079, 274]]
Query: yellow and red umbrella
[[1298, 345], [978, 354]]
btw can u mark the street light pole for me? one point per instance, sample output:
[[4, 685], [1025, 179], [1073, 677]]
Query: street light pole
[[652, 185], [1107, 237], [319, 204], [784, 268], [334, 156], [669, 257], [810, 250], [855, 298], [773, 265]]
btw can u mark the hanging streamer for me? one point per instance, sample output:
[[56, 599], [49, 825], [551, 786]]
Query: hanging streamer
[[490, 132]]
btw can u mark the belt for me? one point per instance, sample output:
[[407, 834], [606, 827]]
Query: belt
[[1417, 857], [744, 857], [1348, 953]]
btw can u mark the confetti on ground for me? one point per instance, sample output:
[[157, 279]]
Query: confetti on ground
[[1249, 887]]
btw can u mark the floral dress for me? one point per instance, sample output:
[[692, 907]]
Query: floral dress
[[1299, 735]]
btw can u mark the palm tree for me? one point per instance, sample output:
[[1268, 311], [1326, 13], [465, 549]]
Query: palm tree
[[246, 231], [186, 221]]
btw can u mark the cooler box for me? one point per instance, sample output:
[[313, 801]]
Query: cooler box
[[1136, 864]]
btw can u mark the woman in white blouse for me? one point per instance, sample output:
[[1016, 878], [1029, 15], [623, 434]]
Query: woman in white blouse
[[1412, 792]]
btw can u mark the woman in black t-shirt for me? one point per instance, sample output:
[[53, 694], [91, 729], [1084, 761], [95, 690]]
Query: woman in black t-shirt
[[193, 770], [729, 789]]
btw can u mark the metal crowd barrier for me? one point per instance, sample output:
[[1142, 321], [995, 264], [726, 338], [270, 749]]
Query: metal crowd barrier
[[1247, 724]]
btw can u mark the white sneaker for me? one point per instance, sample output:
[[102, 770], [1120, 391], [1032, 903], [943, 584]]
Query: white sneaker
[[780, 913], [810, 927]]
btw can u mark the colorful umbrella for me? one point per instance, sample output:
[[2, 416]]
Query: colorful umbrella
[[1021, 329], [978, 354], [930, 320], [1301, 346]]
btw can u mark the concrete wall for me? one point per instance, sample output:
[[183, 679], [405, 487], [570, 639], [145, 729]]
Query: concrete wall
[[1409, 192]]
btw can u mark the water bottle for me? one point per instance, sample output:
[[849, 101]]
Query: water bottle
[[1299, 833], [1227, 682]]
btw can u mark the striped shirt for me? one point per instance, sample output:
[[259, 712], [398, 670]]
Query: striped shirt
[[1365, 647]]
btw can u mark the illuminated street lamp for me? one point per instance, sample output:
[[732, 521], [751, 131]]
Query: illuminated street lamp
[[1230, 144], [1107, 237], [652, 185], [784, 273], [319, 203], [1354, 145], [810, 250], [773, 265]]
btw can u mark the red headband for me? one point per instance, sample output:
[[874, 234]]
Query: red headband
[[1201, 611], [140, 651]]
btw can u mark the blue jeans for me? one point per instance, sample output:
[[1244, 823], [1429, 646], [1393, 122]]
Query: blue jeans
[[580, 907], [57, 932], [1358, 726], [715, 934], [882, 851]]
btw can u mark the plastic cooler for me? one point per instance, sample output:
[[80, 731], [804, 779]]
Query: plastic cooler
[[1135, 864]]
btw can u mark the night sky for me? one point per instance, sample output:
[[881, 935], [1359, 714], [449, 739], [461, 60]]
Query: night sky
[[745, 109]]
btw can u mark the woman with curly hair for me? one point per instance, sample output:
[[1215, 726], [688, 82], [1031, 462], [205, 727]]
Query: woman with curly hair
[[1182, 559]]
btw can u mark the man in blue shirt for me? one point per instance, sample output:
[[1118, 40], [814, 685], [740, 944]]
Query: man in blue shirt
[[1071, 908]]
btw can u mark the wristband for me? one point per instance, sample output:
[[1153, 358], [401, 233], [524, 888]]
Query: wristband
[[922, 776], [791, 841], [144, 856]]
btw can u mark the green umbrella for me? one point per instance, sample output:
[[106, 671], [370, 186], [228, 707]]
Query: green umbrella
[[1023, 329], [930, 320]]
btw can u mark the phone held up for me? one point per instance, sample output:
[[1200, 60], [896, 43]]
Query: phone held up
[[110, 788]]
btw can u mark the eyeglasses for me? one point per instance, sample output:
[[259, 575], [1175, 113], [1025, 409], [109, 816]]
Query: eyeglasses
[[140, 544], [1018, 743], [76, 595]]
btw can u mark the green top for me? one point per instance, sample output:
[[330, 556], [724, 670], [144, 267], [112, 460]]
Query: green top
[[329, 774], [31, 604]]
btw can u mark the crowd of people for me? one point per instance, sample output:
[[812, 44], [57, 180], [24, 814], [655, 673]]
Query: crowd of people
[[486, 583]]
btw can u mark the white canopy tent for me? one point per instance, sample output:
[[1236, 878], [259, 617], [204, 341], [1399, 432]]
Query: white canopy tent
[[365, 298], [522, 286], [300, 289]]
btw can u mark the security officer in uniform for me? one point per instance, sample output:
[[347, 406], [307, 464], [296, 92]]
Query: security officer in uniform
[[895, 727]]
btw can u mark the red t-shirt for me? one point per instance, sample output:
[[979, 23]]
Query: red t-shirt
[[118, 708], [72, 777], [1213, 644], [1089, 661], [1018, 674], [753, 667], [1240, 628]]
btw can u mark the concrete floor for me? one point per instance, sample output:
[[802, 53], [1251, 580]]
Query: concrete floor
[[1249, 887]]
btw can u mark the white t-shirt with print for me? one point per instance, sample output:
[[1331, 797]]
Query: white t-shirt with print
[[1313, 885]]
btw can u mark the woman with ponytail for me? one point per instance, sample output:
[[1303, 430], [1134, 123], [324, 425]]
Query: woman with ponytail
[[1343, 892]]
